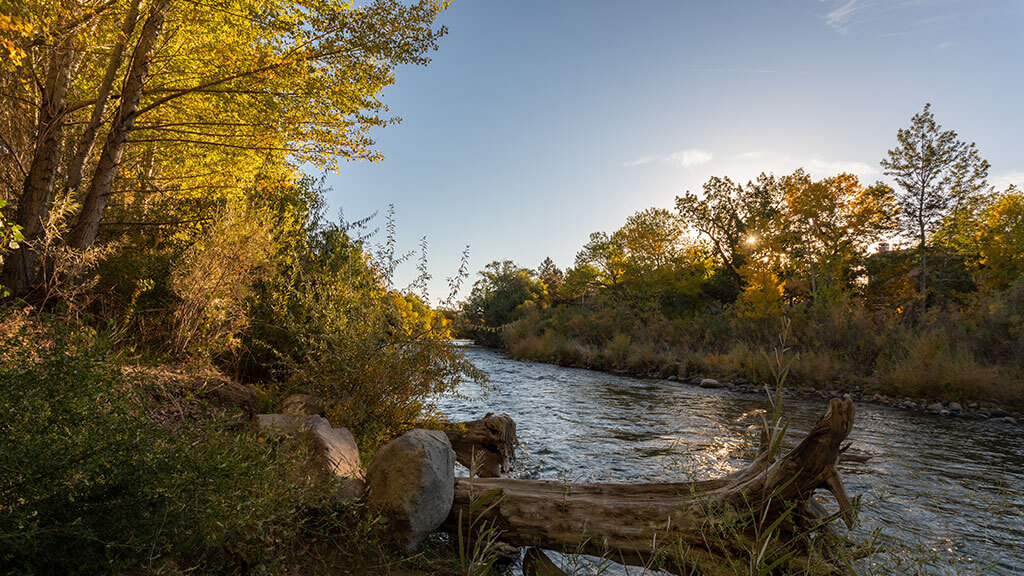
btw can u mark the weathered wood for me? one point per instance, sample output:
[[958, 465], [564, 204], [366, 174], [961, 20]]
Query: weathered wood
[[692, 526], [491, 440]]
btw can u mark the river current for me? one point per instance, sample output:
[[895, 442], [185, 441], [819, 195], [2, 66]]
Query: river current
[[944, 495]]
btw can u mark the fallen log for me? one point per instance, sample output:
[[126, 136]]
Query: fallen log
[[491, 440], [755, 517]]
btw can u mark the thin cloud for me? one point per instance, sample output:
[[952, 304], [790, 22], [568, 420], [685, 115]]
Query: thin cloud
[[688, 158], [843, 17], [819, 167], [1004, 181], [816, 166], [909, 15]]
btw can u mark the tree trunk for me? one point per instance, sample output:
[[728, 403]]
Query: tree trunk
[[747, 519], [37, 193], [95, 200], [85, 144], [924, 270]]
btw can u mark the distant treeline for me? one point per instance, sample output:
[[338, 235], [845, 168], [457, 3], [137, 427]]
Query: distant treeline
[[916, 289]]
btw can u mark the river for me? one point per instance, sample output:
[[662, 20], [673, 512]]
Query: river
[[946, 495]]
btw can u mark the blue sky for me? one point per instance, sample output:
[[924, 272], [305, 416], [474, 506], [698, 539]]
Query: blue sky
[[539, 122]]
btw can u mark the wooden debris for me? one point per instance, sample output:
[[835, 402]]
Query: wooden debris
[[764, 510], [491, 440]]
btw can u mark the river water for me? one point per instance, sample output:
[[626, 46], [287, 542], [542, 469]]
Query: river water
[[945, 495]]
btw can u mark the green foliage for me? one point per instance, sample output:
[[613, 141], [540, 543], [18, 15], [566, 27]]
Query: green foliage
[[323, 319], [501, 295], [94, 483], [1000, 236], [10, 236], [940, 178]]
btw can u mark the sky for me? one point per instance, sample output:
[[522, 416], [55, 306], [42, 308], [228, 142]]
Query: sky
[[539, 122]]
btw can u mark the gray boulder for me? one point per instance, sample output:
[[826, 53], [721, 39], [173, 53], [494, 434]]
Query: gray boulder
[[338, 447], [342, 458], [936, 407], [412, 481], [998, 413], [955, 407], [710, 383]]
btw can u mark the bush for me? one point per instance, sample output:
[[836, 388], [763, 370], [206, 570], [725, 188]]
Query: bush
[[92, 484]]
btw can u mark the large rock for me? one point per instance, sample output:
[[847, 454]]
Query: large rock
[[338, 447], [710, 383], [412, 481], [342, 457]]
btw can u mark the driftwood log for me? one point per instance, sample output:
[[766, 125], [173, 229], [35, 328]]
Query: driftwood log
[[754, 517], [491, 440]]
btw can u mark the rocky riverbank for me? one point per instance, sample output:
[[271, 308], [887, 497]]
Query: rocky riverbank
[[976, 410]]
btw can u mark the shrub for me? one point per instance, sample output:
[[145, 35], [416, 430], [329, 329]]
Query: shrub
[[91, 484]]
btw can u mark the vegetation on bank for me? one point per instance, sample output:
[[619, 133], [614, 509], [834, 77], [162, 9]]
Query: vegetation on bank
[[168, 271], [914, 291]]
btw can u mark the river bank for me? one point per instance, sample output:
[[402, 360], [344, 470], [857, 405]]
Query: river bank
[[751, 380]]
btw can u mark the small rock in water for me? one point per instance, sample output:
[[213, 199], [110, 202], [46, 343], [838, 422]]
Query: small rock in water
[[945, 412], [710, 383], [955, 407], [877, 398], [973, 405], [936, 407], [998, 413], [1009, 420]]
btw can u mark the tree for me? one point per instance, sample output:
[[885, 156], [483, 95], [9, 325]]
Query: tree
[[552, 277], [652, 238], [829, 225], [1001, 239], [184, 90], [937, 174], [500, 295], [730, 215], [605, 254]]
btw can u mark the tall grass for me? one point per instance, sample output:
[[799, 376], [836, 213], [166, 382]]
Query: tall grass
[[971, 354]]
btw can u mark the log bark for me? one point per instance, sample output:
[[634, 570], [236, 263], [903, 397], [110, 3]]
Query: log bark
[[757, 514], [491, 440]]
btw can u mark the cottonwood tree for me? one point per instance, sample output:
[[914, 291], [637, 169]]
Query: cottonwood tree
[[828, 226], [937, 174], [146, 103], [730, 216]]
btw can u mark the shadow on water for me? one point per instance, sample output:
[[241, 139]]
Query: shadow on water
[[945, 491]]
